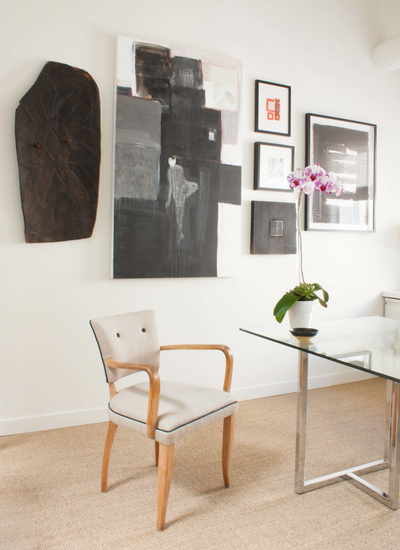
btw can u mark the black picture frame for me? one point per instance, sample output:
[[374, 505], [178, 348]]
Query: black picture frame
[[348, 148], [272, 164], [272, 108]]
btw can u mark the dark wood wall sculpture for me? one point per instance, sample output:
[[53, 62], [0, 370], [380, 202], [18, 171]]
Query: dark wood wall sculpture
[[57, 128]]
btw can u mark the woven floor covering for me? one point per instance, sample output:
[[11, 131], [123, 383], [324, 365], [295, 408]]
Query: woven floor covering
[[50, 483]]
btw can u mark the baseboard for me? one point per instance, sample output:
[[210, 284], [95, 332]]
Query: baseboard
[[257, 392], [15, 426]]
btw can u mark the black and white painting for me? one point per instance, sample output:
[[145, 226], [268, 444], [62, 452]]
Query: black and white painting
[[347, 148], [177, 175]]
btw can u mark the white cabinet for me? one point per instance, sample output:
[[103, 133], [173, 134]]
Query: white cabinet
[[392, 304]]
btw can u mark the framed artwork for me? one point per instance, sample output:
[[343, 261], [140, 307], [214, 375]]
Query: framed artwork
[[273, 228], [177, 163], [348, 148], [272, 108], [272, 164]]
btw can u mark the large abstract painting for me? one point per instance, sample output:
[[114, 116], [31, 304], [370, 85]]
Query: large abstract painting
[[177, 175]]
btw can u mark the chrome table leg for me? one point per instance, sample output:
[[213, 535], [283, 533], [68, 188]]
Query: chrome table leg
[[394, 446], [301, 431], [392, 454]]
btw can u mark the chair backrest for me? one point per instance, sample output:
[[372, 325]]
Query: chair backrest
[[129, 338]]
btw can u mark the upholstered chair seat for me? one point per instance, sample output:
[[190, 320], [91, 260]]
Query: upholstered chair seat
[[183, 409], [165, 411]]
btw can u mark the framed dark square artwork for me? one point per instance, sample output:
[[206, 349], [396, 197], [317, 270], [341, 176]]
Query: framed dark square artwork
[[272, 164], [273, 227], [272, 108], [347, 148]]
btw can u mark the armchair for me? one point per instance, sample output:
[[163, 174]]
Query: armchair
[[163, 411]]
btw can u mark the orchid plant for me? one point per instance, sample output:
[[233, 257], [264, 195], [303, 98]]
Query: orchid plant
[[313, 178]]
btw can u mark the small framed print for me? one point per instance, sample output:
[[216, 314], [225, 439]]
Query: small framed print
[[272, 108], [348, 148], [272, 164]]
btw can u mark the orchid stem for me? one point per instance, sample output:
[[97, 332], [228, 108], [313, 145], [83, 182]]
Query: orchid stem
[[299, 241]]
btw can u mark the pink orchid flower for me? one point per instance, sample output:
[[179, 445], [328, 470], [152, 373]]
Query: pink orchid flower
[[294, 178], [337, 186], [314, 178], [314, 172]]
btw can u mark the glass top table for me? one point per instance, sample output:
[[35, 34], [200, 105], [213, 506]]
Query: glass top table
[[369, 344], [347, 341]]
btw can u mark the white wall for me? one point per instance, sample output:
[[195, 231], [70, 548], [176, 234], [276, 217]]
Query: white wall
[[50, 368]]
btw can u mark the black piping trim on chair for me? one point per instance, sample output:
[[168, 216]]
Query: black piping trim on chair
[[178, 427], [101, 355]]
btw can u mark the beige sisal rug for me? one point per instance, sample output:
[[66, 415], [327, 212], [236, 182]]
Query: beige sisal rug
[[50, 483]]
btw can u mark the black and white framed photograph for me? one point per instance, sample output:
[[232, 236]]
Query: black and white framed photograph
[[272, 164], [348, 148], [272, 113]]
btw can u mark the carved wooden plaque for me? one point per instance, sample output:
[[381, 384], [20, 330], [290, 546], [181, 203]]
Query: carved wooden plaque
[[57, 128]]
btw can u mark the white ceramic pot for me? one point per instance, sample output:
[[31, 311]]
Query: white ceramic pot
[[300, 314]]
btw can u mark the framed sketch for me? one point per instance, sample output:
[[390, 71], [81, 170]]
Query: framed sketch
[[272, 164], [272, 108], [347, 148]]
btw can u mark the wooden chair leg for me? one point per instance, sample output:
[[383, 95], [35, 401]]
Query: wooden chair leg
[[112, 428], [165, 465], [157, 450], [227, 439]]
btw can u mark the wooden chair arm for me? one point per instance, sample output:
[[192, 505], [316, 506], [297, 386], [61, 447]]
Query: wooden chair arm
[[220, 347], [154, 393]]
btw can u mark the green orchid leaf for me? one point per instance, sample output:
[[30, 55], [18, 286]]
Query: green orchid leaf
[[324, 292], [284, 304], [313, 296]]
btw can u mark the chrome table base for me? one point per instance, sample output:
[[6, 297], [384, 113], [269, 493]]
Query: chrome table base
[[391, 458]]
